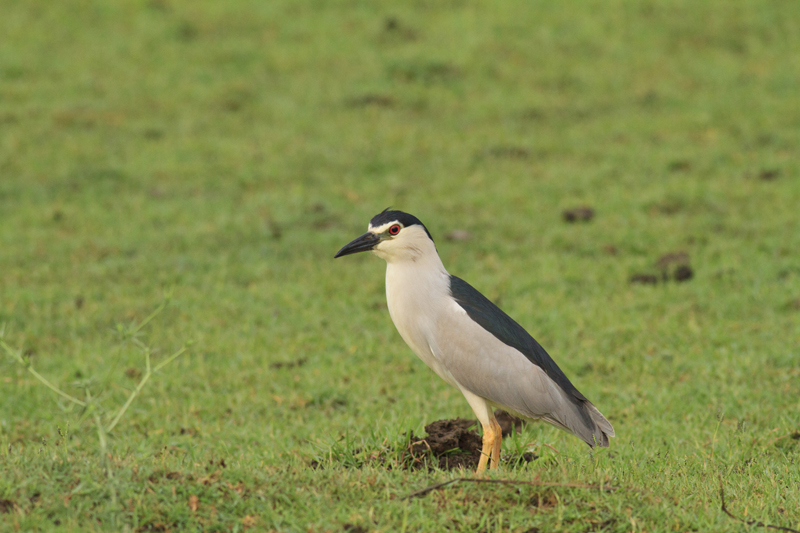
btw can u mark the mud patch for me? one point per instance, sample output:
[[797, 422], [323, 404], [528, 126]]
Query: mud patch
[[610, 249], [578, 214], [675, 258], [393, 28], [367, 100], [769, 174], [680, 165], [683, 273], [647, 279], [424, 72], [158, 475], [288, 364], [450, 444], [6, 506], [675, 266], [671, 267]]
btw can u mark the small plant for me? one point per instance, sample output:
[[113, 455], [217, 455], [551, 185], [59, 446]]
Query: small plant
[[105, 419]]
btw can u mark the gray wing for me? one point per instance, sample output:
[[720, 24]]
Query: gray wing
[[506, 330], [590, 423]]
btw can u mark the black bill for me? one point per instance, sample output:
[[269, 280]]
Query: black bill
[[362, 244]]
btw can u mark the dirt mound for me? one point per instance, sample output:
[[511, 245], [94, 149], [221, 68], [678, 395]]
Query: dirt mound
[[450, 444], [456, 443]]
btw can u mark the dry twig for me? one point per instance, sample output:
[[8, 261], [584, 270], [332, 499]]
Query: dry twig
[[756, 523], [431, 488]]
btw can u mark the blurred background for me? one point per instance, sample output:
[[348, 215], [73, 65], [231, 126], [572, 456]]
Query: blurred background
[[227, 150]]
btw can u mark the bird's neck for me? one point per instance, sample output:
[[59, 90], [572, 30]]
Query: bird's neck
[[421, 266], [412, 286]]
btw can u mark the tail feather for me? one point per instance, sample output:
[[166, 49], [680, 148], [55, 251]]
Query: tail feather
[[601, 421], [587, 423], [601, 429]]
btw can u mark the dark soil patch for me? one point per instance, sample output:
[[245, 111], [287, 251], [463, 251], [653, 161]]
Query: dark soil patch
[[353, 528], [792, 305], [578, 214], [393, 27], [6, 506], [668, 260], [509, 423], [367, 100], [456, 443], [528, 457], [610, 249], [675, 266], [683, 273], [450, 444], [425, 72], [769, 175], [671, 267], [158, 475], [288, 364], [680, 165], [647, 279]]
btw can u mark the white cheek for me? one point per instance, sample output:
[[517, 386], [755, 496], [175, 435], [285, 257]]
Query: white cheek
[[380, 250]]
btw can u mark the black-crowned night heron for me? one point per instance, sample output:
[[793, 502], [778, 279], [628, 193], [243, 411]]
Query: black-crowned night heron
[[469, 342]]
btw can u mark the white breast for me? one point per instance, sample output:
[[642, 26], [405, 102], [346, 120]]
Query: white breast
[[417, 295]]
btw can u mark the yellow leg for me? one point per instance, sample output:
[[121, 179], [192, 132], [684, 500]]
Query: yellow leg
[[498, 440], [488, 444], [492, 434]]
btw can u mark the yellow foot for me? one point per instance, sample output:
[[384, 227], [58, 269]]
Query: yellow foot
[[492, 439]]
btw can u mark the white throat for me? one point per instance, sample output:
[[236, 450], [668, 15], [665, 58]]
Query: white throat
[[417, 293], [414, 272]]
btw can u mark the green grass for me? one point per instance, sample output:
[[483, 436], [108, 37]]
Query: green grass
[[225, 151]]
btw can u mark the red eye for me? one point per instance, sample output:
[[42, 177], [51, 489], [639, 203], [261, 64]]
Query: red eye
[[394, 230]]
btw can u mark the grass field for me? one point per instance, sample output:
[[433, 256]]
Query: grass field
[[224, 151]]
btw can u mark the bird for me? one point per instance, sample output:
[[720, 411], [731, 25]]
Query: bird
[[469, 342]]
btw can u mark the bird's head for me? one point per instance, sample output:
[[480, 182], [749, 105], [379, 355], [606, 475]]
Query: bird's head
[[393, 236]]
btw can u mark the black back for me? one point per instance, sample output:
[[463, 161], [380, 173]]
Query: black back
[[506, 330], [386, 216]]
